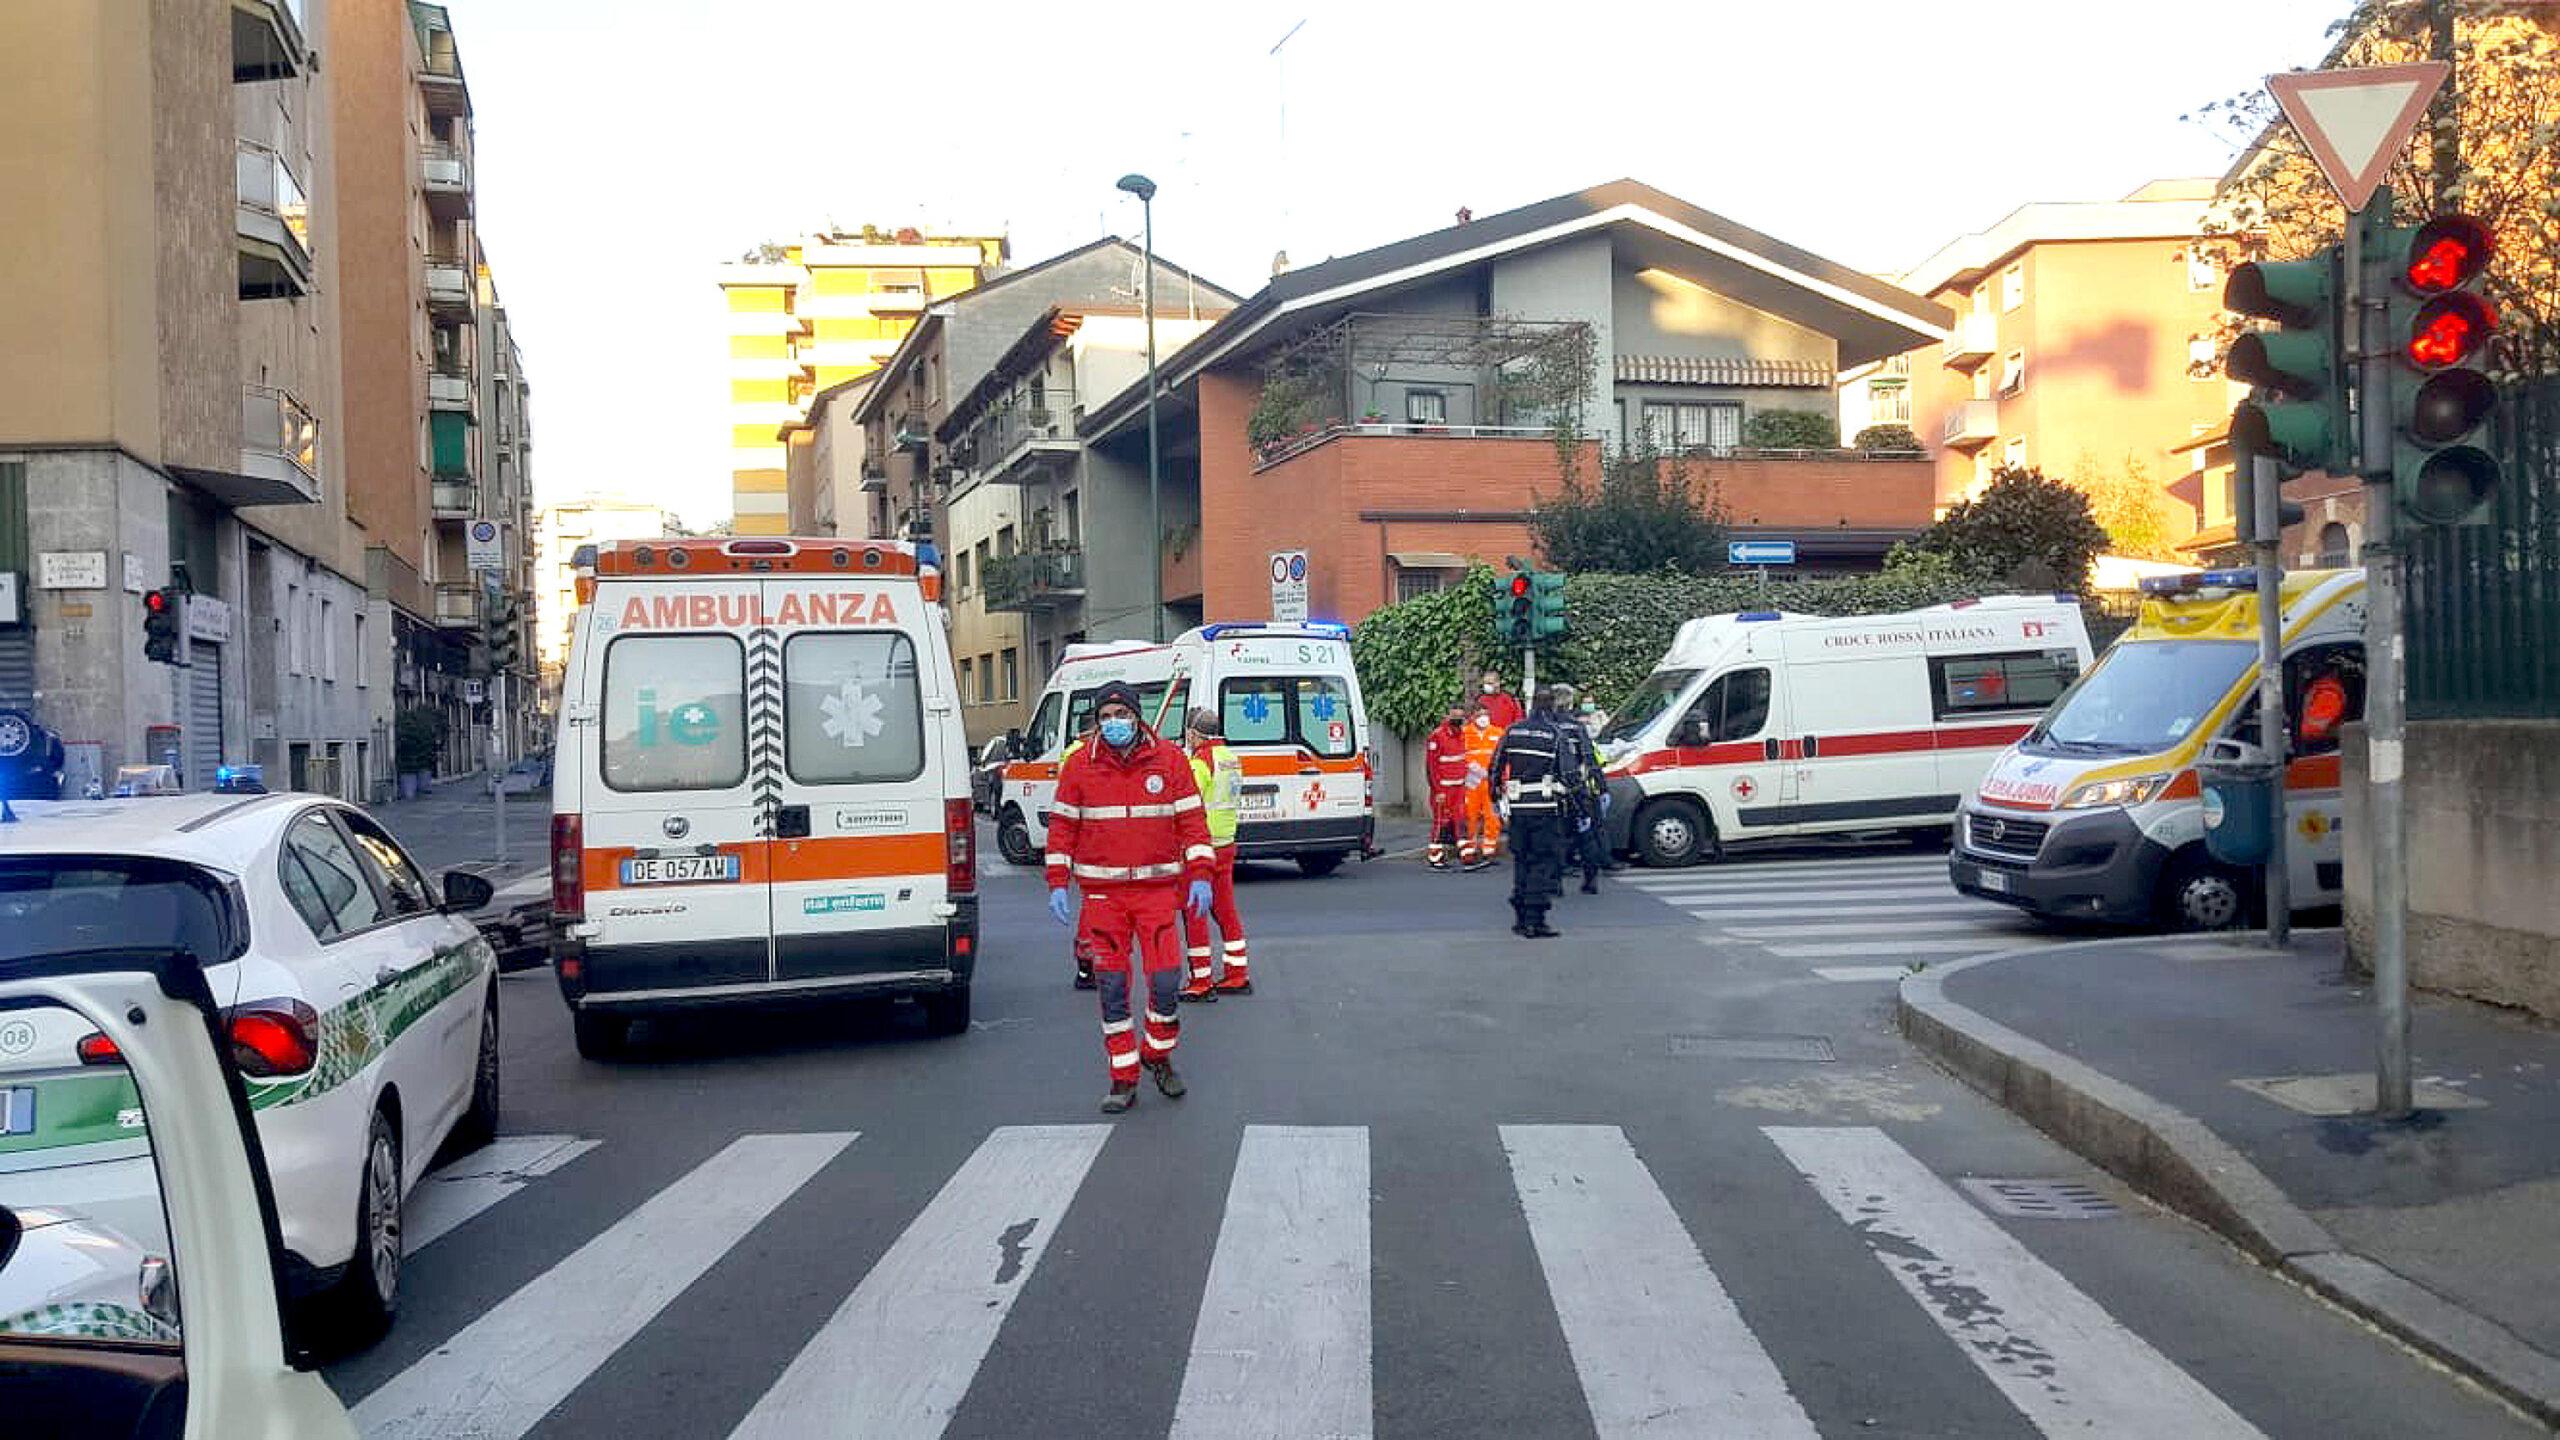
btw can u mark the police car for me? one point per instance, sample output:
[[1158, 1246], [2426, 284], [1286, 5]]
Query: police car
[[360, 1009]]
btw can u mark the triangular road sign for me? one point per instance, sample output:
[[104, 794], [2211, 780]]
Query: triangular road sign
[[2355, 122]]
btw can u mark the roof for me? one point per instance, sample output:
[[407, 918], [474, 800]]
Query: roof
[[215, 831], [2160, 210], [1038, 341], [1898, 319]]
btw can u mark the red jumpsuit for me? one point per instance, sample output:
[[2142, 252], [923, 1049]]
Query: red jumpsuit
[[1444, 770], [1129, 829]]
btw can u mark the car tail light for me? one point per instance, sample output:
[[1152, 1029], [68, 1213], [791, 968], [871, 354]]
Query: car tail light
[[273, 1037], [568, 868], [96, 1049], [960, 843]]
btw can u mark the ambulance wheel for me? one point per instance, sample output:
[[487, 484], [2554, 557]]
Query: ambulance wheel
[[1013, 838], [599, 1037], [947, 1012], [1319, 866], [1673, 833], [2202, 895]]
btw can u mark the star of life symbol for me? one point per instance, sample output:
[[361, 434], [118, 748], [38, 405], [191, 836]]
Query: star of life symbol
[[1257, 708], [852, 715], [1745, 788]]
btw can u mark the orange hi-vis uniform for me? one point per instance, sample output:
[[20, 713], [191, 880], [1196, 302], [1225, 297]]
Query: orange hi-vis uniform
[[1481, 836]]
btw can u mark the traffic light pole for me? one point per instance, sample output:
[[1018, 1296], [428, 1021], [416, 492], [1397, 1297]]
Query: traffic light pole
[[2266, 494], [497, 756], [2384, 712]]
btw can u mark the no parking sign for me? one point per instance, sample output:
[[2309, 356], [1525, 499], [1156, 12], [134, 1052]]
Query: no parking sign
[[1289, 585]]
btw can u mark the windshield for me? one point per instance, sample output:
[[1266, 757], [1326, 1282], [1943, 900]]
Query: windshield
[[1648, 700], [58, 904], [2142, 697]]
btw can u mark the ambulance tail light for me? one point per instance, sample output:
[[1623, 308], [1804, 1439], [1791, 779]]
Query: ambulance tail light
[[568, 868], [960, 844]]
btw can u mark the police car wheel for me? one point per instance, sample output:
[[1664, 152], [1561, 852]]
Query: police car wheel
[[1013, 839], [2204, 896], [1670, 834], [369, 1293]]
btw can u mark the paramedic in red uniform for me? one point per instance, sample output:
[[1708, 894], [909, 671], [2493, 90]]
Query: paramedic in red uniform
[[1501, 704], [1128, 828], [1444, 769]]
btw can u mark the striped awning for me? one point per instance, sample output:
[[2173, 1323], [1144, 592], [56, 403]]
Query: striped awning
[[1702, 370], [1427, 560]]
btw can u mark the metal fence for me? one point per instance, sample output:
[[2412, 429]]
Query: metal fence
[[2484, 600]]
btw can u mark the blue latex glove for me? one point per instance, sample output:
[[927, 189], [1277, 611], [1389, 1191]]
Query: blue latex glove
[[1199, 899], [1607, 800], [1061, 908]]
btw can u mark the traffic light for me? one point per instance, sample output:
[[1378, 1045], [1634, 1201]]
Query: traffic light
[[164, 626], [1512, 616], [499, 630], [1546, 605], [2439, 329], [2298, 414]]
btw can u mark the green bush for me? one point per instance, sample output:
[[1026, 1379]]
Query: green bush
[[2032, 529], [1791, 430], [417, 737], [1886, 437]]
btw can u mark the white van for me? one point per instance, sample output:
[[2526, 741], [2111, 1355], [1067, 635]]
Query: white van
[[1770, 724], [2098, 813], [1289, 702], [761, 790]]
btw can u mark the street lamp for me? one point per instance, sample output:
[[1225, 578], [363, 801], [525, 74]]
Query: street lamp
[[1145, 190]]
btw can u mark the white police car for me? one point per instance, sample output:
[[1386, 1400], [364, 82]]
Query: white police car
[[360, 1009]]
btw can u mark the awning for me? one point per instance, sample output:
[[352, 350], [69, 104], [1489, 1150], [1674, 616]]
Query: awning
[[1708, 370], [1428, 560]]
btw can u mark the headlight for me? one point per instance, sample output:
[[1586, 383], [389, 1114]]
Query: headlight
[[2133, 791]]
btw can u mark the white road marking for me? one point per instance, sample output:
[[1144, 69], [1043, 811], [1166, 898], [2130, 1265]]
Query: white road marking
[[498, 1376], [1846, 907], [1658, 1344], [471, 1184], [1812, 931], [2063, 1361], [1281, 1348], [1860, 973], [1887, 949], [1853, 865], [898, 1355], [1706, 904], [1788, 879]]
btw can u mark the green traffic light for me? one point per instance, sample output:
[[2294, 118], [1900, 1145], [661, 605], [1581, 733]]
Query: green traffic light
[[2303, 435], [2293, 293]]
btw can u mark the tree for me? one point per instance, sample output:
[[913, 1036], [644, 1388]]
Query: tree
[[2491, 152], [1886, 437], [1643, 514], [2126, 504], [2025, 527], [1791, 430]]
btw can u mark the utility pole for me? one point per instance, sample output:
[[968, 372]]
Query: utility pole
[[2266, 493], [2445, 136], [2385, 710], [498, 754]]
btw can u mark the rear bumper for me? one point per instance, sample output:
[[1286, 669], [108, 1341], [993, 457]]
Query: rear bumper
[[687, 975], [1270, 839], [2098, 866]]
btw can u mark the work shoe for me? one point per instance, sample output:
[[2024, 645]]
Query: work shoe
[[1084, 979], [1233, 985], [1520, 930], [1166, 1081], [1590, 887], [1198, 992], [1544, 931], [1124, 1093], [1474, 865]]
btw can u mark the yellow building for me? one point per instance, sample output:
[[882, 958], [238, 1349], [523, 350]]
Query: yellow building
[[813, 314]]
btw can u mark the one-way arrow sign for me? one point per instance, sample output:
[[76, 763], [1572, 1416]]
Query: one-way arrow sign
[[2355, 122]]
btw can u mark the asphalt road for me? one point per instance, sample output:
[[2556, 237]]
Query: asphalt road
[[1670, 1175]]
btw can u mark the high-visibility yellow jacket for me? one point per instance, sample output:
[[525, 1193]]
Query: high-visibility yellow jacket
[[1220, 776]]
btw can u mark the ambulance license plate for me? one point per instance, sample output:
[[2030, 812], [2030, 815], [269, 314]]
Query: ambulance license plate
[[681, 870], [1259, 802]]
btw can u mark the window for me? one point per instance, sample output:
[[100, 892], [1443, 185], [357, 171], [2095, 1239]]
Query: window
[[325, 881], [328, 643], [1414, 584], [1690, 430], [968, 675], [2013, 372], [1309, 710], [1980, 300], [1888, 402], [1964, 686], [675, 712], [1154, 707], [853, 713], [1981, 383], [1324, 716], [293, 629], [1068, 517], [987, 679], [364, 665], [2013, 452], [2204, 269], [2335, 547], [1724, 426], [2013, 287], [1004, 543], [1659, 419], [1042, 736], [1735, 707], [981, 566], [1426, 407], [388, 866], [1012, 661], [963, 576], [2204, 358]]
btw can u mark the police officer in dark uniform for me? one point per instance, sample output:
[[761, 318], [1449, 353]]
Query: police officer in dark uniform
[[1586, 837], [1529, 775]]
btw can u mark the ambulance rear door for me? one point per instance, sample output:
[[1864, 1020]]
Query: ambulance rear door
[[1289, 705], [673, 861], [864, 765]]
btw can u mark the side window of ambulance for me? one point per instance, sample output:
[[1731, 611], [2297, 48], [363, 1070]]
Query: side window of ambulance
[[1971, 685], [1735, 707], [854, 715], [1254, 711], [325, 880], [1042, 737], [1324, 716], [675, 713]]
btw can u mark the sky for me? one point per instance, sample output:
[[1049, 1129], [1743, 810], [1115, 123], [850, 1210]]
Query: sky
[[627, 148]]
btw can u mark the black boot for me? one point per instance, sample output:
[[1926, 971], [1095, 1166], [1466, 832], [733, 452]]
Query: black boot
[[1084, 978], [1590, 884], [1124, 1093], [1166, 1081]]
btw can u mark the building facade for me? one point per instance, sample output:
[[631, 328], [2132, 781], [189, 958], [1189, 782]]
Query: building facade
[[565, 537], [810, 315]]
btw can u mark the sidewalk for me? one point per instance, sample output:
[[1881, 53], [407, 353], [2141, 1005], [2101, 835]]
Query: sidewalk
[[2230, 1083]]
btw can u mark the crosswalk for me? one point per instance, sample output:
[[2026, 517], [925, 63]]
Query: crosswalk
[[1282, 1342], [1850, 917]]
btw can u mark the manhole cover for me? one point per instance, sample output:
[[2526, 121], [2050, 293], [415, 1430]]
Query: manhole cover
[[2042, 1199], [1753, 1047]]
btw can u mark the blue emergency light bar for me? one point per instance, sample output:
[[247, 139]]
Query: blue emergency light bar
[[2202, 580], [1760, 615], [1330, 629], [927, 555]]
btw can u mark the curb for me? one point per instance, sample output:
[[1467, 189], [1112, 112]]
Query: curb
[[2173, 1158]]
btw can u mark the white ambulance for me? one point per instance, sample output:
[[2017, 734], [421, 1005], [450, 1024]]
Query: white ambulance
[[761, 791], [1770, 724], [2098, 812], [1289, 703]]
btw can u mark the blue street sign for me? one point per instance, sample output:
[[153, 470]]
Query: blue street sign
[[1760, 552]]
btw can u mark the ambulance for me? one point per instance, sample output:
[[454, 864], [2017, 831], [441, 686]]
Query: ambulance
[[1289, 705], [2097, 813], [761, 791], [1769, 724]]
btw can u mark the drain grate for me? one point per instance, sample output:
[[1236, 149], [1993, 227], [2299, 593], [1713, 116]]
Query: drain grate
[[2042, 1199], [1754, 1047]]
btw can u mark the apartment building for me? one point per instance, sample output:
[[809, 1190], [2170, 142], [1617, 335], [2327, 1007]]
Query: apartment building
[[504, 499], [168, 391], [835, 490], [566, 535], [926, 489], [2085, 341], [812, 314]]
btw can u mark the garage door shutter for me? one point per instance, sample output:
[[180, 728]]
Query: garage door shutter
[[203, 720], [17, 669]]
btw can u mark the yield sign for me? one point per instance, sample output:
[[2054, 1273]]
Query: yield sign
[[2355, 122]]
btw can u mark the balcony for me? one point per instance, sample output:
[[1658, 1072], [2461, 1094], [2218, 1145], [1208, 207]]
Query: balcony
[[267, 42], [279, 450], [449, 387], [1035, 580], [449, 288], [912, 430], [274, 223], [444, 172], [1029, 437], [1976, 338], [1971, 423], [452, 499], [440, 63], [896, 302], [457, 604], [875, 477]]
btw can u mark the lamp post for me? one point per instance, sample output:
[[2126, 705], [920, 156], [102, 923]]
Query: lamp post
[[1145, 190]]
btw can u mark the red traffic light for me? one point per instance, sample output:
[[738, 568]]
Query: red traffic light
[[1519, 586], [155, 601], [2449, 330], [2446, 253]]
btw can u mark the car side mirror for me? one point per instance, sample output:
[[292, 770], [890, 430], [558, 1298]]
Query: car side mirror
[[466, 891], [10, 1231]]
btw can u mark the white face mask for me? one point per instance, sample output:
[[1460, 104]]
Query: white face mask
[[1490, 686]]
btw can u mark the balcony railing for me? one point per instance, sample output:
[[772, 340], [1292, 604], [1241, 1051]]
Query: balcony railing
[[452, 499], [457, 603], [445, 174], [274, 224], [449, 387], [1025, 429], [1976, 338], [875, 477], [912, 430], [449, 282], [280, 441], [1035, 580], [1971, 423]]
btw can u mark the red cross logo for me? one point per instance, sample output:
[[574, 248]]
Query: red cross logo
[[1315, 795], [1744, 789]]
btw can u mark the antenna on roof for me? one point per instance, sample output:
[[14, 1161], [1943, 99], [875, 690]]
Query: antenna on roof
[[1284, 125]]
